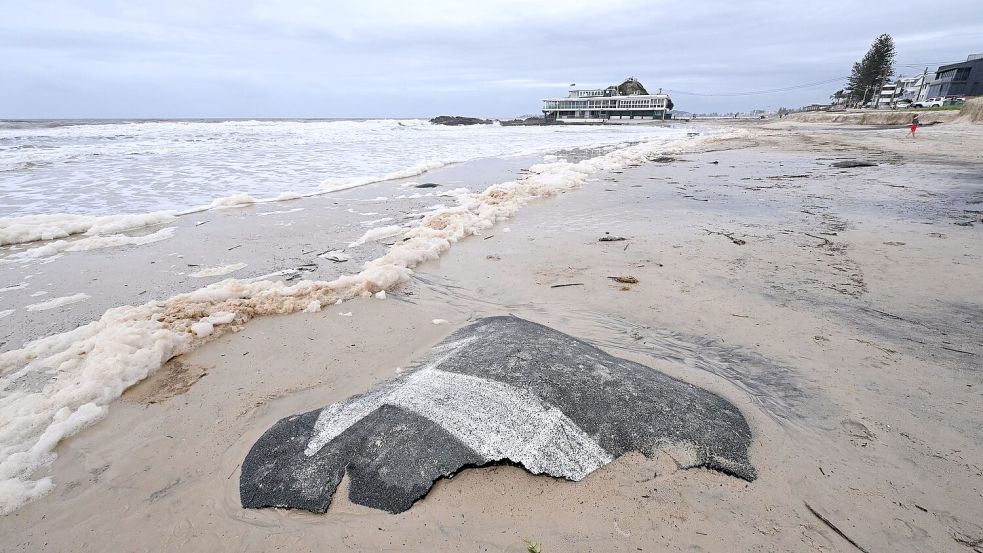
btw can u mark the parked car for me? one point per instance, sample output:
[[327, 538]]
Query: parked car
[[902, 104], [929, 103]]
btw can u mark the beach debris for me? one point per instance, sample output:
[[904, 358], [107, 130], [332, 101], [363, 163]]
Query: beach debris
[[461, 407], [380, 295], [849, 164], [826, 241], [857, 429], [337, 256], [876, 346], [957, 350], [234, 247], [728, 235], [662, 159], [426, 185], [833, 527], [440, 321], [532, 546], [347, 314], [567, 284], [624, 279], [608, 237], [493, 257]]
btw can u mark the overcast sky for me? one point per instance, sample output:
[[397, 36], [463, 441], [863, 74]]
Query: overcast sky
[[403, 58]]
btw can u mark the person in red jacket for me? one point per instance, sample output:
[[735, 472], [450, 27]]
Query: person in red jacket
[[914, 125]]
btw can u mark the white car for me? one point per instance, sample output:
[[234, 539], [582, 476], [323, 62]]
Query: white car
[[929, 103]]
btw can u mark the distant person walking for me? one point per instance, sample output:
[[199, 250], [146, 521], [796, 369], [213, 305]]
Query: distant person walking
[[914, 125]]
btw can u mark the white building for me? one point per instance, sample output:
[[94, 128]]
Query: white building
[[905, 88], [886, 97], [628, 102], [912, 88]]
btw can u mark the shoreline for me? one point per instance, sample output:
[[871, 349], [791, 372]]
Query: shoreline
[[125, 345], [816, 343]]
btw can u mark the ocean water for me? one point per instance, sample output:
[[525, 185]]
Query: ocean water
[[114, 167]]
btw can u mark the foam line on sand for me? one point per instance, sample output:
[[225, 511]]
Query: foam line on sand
[[55, 386]]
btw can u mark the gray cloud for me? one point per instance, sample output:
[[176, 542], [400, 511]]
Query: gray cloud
[[498, 58]]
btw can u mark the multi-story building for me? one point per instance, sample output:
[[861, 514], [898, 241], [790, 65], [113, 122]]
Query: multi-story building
[[958, 80], [887, 95], [627, 102], [910, 88]]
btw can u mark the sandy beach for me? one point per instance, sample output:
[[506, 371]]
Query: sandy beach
[[839, 309]]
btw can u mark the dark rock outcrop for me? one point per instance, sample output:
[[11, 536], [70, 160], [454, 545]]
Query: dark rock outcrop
[[527, 122], [457, 120], [631, 86]]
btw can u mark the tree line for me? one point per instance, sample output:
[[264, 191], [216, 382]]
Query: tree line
[[871, 73]]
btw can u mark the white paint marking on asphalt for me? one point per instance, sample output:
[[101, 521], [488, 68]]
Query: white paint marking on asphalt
[[494, 419]]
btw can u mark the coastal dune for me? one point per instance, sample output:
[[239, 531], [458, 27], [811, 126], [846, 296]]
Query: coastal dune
[[970, 112]]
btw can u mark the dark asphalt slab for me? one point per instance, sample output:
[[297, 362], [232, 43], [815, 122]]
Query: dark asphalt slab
[[501, 390]]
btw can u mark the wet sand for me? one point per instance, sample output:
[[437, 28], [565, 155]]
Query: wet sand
[[839, 309]]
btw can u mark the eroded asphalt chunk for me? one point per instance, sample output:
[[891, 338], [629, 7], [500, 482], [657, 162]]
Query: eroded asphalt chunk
[[500, 390]]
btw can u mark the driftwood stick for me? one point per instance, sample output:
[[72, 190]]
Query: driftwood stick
[[569, 284], [834, 528], [826, 241], [957, 350], [728, 235]]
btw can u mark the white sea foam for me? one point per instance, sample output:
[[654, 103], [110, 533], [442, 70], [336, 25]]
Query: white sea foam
[[206, 325], [337, 184], [378, 233], [218, 271], [280, 211], [337, 256], [375, 222], [57, 302], [96, 362], [6, 312], [235, 200], [94, 243], [31, 228]]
